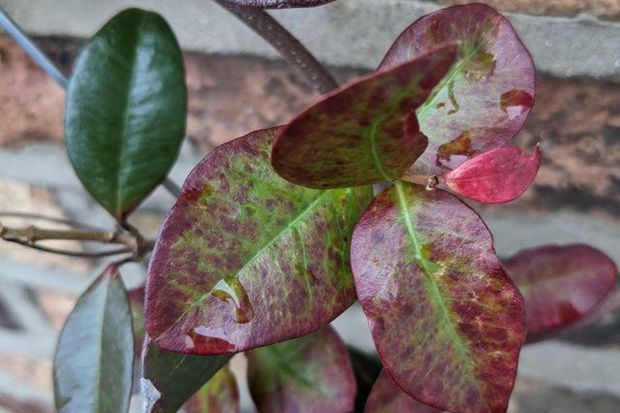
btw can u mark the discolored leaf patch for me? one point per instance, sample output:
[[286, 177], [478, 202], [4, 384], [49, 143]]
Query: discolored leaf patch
[[560, 284], [365, 132], [94, 356], [387, 397], [311, 374], [447, 322], [279, 4], [126, 108], [219, 395], [170, 379], [487, 95], [498, 176], [246, 259]]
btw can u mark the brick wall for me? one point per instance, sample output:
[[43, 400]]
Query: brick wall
[[576, 196]]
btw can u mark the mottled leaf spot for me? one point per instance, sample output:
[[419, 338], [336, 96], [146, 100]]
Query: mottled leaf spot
[[452, 154], [230, 289], [515, 102], [468, 101]]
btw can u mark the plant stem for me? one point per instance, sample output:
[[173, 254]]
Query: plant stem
[[285, 43], [40, 59], [430, 182], [31, 234], [77, 254]]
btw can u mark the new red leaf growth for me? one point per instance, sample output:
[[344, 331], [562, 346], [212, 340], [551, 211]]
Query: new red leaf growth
[[560, 284], [494, 177]]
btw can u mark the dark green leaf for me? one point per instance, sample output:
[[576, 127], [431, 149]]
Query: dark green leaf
[[366, 368], [311, 374], [126, 107], [170, 379], [94, 357], [219, 395], [246, 259]]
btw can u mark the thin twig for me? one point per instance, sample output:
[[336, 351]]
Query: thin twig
[[40, 59], [31, 234], [78, 254], [26, 215], [17, 34], [285, 43], [172, 187]]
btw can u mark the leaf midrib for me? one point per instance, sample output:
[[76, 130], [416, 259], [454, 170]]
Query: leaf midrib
[[120, 177], [288, 227], [435, 291]]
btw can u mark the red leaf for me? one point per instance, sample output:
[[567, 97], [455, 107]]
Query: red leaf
[[447, 322], [365, 132], [487, 95], [561, 284], [311, 374], [245, 258], [387, 397], [494, 177]]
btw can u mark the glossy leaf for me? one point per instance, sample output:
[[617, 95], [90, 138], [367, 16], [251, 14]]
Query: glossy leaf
[[170, 379], [246, 259], [387, 397], [447, 322], [280, 4], [94, 356], [126, 107], [311, 374], [219, 395], [561, 284], [485, 98], [366, 368], [365, 132], [494, 177]]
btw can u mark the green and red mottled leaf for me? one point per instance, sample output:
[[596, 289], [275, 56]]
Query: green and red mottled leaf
[[500, 175], [447, 322], [170, 379], [365, 132], [246, 259], [387, 397], [126, 108], [311, 374], [487, 95], [219, 395], [561, 284], [94, 357], [279, 4]]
